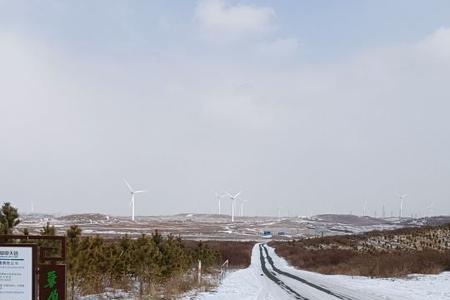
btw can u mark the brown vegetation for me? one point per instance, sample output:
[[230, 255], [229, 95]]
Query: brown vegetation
[[378, 254], [375, 264], [237, 253], [158, 265]]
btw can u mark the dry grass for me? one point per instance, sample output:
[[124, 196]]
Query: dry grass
[[179, 285], [375, 264], [342, 255]]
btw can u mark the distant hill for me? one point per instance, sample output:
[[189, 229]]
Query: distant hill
[[435, 220], [351, 220], [87, 217]]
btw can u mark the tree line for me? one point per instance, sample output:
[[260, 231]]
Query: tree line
[[95, 263]]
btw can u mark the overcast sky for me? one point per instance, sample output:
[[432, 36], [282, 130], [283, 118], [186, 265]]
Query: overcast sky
[[310, 106]]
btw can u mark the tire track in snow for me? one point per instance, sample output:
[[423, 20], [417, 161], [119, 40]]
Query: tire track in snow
[[276, 279], [318, 287]]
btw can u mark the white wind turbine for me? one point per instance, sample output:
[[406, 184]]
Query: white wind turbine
[[233, 203], [219, 199], [132, 192], [402, 198], [364, 208], [242, 206]]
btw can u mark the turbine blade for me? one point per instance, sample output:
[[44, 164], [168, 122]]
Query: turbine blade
[[128, 185], [235, 196], [139, 192]]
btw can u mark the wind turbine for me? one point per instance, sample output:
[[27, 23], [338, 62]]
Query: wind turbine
[[402, 197], [233, 202], [132, 192], [219, 198], [364, 208]]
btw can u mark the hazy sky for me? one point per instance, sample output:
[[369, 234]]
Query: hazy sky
[[310, 106]]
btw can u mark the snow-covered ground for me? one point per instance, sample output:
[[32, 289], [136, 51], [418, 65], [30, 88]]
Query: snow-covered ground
[[251, 283], [220, 227]]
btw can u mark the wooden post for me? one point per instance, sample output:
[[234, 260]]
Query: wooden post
[[199, 274], [223, 269]]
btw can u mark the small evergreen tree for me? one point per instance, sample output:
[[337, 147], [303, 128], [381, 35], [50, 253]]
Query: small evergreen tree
[[53, 246], [73, 270], [146, 263], [208, 256], [48, 230], [9, 218]]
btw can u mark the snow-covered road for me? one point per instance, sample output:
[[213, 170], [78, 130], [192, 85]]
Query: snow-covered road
[[270, 277]]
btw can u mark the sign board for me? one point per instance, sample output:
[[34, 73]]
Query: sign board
[[17, 269], [52, 282]]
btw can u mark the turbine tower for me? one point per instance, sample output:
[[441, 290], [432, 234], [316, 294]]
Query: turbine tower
[[364, 208], [132, 192], [242, 206], [233, 203], [219, 198], [402, 197]]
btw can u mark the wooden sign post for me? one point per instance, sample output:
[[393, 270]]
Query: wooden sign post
[[52, 282]]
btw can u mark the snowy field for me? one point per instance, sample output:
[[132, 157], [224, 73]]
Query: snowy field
[[220, 227], [251, 283]]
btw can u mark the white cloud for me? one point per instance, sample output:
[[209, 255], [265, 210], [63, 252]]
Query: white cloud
[[217, 17], [437, 45]]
